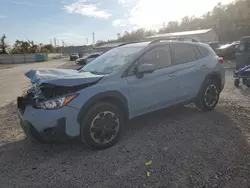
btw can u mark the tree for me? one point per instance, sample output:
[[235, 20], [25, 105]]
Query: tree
[[21, 47], [47, 48], [3, 45]]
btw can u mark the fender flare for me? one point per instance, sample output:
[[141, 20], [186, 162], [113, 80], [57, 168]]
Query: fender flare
[[209, 76], [102, 96]]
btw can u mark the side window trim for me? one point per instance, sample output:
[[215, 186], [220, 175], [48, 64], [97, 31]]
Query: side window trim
[[158, 48], [200, 51], [200, 54], [136, 61], [173, 55]]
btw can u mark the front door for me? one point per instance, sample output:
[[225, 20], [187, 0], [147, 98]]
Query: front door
[[154, 90]]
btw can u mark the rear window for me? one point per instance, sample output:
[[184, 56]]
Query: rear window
[[183, 53]]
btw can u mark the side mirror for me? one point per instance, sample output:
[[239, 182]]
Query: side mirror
[[146, 68]]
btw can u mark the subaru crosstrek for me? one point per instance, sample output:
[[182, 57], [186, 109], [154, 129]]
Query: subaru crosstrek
[[95, 102]]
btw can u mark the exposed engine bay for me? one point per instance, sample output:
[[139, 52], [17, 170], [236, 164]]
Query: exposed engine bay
[[54, 88], [50, 91]]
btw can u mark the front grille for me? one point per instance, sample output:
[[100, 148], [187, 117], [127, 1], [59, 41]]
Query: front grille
[[23, 101], [20, 104]]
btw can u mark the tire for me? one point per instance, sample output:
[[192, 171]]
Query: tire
[[202, 101], [97, 116], [237, 82]]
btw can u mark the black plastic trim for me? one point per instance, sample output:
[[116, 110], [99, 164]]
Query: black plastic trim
[[56, 134], [210, 75], [100, 96]]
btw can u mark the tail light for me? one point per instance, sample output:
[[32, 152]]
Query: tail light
[[220, 60]]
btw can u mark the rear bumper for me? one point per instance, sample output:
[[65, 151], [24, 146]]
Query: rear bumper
[[73, 58], [81, 62]]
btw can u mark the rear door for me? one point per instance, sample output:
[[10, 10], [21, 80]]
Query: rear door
[[190, 69]]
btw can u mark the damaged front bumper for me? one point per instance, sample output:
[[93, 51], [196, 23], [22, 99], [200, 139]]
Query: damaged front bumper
[[48, 126]]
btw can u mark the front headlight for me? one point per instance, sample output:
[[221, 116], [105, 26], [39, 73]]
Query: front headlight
[[56, 102]]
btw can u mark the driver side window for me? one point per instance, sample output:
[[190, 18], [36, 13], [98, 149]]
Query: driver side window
[[159, 56]]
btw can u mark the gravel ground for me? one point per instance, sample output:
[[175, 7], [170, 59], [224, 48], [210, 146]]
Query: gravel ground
[[188, 148]]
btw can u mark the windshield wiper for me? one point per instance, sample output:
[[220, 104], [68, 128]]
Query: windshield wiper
[[92, 72]]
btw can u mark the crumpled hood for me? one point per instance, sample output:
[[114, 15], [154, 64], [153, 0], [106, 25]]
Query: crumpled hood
[[61, 77]]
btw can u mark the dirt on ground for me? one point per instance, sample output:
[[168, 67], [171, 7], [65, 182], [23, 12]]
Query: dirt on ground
[[187, 147]]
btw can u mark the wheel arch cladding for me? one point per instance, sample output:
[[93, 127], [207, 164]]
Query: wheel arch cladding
[[113, 97], [214, 76]]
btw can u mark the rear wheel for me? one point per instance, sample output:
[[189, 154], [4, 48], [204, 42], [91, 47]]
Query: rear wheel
[[208, 96], [102, 126]]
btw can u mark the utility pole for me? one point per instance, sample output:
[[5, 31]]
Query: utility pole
[[54, 41], [62, 46], [86, 41], [93, 38]]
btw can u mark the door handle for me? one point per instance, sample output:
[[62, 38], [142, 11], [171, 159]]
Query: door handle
[[204, 66]]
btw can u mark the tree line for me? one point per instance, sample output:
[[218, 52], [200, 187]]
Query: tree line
[[230, 22], [25, 47]]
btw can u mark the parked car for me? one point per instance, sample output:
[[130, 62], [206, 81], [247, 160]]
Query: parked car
[[215, 44], [87, 58], [95, 103], [228, 50], [73, 56]]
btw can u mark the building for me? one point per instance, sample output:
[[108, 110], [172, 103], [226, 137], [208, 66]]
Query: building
[[204, 35]]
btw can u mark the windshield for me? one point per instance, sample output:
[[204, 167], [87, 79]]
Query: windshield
[[111, 60]]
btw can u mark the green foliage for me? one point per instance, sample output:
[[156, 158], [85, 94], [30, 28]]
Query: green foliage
[[21, 47], [3, 45]]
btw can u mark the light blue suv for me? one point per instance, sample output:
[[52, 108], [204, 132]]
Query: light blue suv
[[94, 103]]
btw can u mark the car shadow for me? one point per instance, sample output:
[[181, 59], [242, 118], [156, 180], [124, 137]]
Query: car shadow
[[189, 148]]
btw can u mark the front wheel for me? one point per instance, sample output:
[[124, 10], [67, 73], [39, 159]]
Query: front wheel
[[208, 96], [102, 126]]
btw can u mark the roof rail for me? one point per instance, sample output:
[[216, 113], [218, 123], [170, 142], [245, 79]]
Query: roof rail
[[131, 42], [173, 38]]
